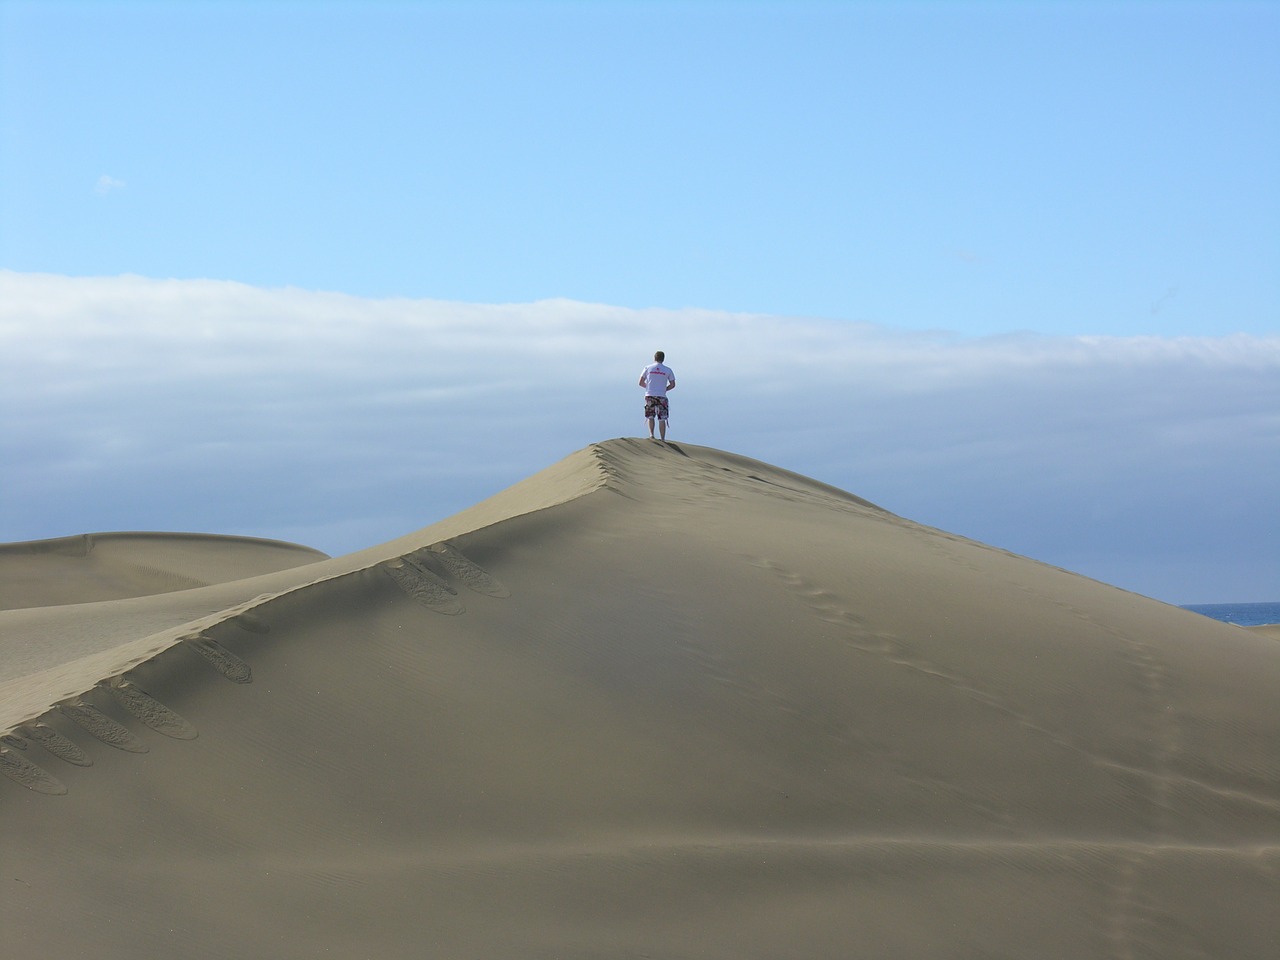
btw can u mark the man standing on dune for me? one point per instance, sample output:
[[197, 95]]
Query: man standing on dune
[[657, 379]]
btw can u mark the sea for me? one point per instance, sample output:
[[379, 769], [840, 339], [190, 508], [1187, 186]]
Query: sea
[[1241, 614]]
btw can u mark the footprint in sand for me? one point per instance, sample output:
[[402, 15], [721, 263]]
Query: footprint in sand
[[220, 658], [151, 711], [56, 743], [22, 771], [423, 585], [469, 574], [98, 724], [251, 622]]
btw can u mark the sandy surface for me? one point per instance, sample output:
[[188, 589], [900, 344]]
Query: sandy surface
[[112, 566], [656, 701]]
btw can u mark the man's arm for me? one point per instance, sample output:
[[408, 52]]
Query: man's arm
[[671, 383], [641, 382]]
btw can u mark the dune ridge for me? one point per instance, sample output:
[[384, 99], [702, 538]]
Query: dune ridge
[[49, 654], [658, 700]]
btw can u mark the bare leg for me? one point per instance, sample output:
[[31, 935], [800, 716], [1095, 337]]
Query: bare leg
[[664, 427]]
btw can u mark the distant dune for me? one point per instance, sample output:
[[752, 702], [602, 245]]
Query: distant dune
[[658, 700], [111, 566]]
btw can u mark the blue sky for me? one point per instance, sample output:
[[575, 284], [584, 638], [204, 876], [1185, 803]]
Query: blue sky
[[980, 167], [1010, 269]]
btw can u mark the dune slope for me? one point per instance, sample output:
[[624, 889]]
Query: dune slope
[[112, 566], [661, 701]]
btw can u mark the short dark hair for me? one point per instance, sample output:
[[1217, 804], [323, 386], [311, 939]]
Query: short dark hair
[[659, 356]]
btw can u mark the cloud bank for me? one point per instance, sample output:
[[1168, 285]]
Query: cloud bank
[[340, 422]]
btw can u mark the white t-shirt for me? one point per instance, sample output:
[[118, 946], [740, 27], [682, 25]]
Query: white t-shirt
[[657, 377]]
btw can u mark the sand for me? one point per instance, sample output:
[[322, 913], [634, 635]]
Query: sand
[[111, 566], [657, 701]]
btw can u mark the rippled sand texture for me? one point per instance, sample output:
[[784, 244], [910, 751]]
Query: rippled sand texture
[[656, 701]]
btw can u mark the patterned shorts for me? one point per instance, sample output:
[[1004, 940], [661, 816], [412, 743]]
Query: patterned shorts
[[655, 407]]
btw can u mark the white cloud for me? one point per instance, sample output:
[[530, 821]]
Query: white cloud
[[166, 404], [108, 184]]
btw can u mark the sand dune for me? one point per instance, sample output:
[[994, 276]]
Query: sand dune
[[112, 566], [656, 701]]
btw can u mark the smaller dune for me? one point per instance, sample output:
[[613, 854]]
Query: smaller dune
[[116, 566]]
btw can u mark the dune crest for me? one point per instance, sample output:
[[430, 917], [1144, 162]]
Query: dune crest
[[656, 700]]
